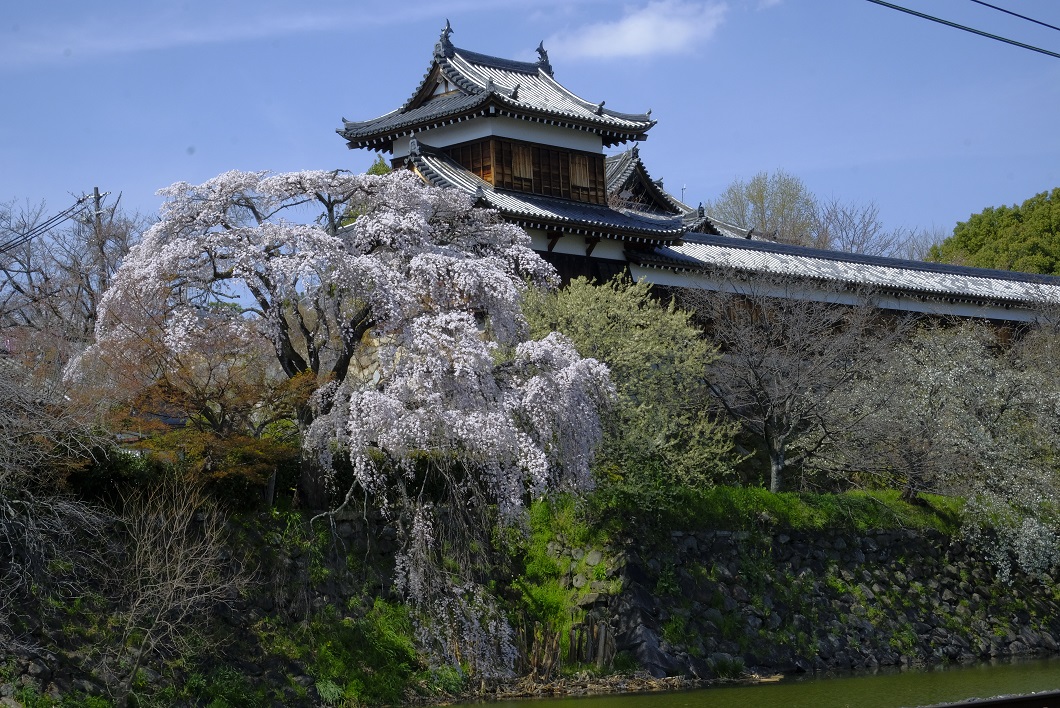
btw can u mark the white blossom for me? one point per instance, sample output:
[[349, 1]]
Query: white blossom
[[405, 302]]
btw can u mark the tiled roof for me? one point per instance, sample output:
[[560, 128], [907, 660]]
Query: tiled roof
[[700, 252], [488, 85], [624, 169], [619, 168], [380, 132], [534, 211]]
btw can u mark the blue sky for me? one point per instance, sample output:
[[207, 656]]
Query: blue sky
[[862, 102]]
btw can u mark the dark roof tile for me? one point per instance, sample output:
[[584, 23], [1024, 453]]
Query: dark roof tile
[[702, 252], [594, 220], [518, 89]]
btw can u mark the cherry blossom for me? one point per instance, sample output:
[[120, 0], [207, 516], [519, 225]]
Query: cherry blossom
[[405, 302]]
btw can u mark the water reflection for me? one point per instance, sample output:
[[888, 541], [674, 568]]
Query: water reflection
[[885, 689]]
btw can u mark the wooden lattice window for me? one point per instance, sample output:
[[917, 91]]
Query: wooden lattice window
[[475, 157], [522, 168], [579, 178], [579, 171], [537, 169], [551, 173]]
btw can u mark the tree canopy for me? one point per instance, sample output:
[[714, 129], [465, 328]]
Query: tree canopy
[[785, 360], [782, 208], [777, 205], [1023, 238], [402, 303], [660, 436]]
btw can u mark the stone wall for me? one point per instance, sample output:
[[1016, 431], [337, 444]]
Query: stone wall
[[712, 600], [701, 604]]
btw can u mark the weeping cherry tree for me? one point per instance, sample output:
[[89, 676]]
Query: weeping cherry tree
[[402, 302]]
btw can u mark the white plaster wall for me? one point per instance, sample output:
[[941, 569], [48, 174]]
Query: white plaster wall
[[660, 276], [503, 127], [575, 245]]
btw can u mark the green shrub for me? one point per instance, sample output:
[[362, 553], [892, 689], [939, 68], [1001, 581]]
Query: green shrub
[[445, 680], [330, 693], [727, 667], [228, 688], [758, 509]]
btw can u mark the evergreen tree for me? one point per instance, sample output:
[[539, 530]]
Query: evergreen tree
[[1023, 238]]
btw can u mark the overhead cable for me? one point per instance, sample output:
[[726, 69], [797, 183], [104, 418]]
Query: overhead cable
[[37, 229], [1016, 14], [966, 28]]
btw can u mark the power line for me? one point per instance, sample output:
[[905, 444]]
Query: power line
[[1016, 14], [36, 230], [967, 29]]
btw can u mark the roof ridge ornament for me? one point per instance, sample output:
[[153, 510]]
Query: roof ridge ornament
[[702, 211], [444, 48], [635, 150], [414, 146], [490, 86], [600, 108], [542, 59], [515, 93]]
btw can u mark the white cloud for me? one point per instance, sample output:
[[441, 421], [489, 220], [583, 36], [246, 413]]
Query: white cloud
[[200, 22], [661, 27]]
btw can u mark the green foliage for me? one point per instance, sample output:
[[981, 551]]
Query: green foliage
[[679, 631], [80, 700], [225, 687], [730, 667], [30, 696], [369, 659], [290, 532], [1024, 238], [541, 598], [330, 692], [235, 468], [660, 436], [380, 166], [754, 508], [115, 471], [561, 516], [778, 205], [667, 583], [625, 663], [446, 680]]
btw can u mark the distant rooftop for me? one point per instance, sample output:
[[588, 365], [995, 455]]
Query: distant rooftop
[[707, 253]]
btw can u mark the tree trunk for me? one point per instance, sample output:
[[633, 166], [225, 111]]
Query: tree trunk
[[126, 685], [776, 467], [313, 493], [270, 489]]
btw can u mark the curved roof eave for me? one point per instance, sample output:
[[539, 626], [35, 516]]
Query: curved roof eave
[[934, 281], [520, 89], [534, 211], [894, 291]]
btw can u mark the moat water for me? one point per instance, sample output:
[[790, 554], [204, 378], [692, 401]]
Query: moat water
[[884, 689]]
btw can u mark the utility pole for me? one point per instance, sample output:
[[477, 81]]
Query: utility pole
[[97, 198], [98, 236]]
